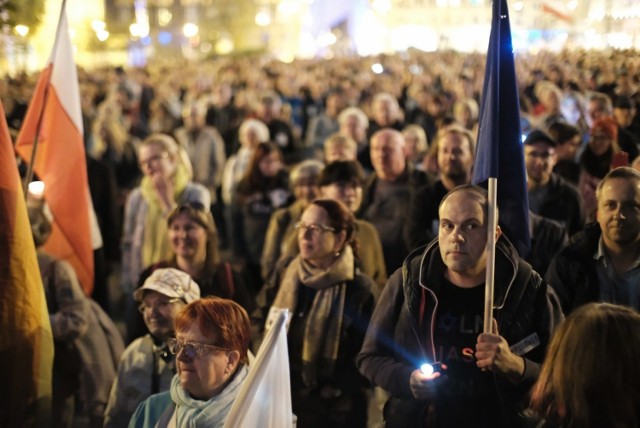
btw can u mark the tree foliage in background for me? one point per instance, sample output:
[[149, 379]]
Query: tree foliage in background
[[24, 12]]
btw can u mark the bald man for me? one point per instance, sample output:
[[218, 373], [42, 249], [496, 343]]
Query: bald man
[[388, 192]]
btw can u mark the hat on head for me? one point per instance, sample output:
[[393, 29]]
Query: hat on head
[[538, 136], [172, 283]]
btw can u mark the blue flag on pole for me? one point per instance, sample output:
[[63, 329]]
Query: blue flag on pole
[[499, 150]]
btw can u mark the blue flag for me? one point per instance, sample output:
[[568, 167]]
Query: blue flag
[[499, 152]]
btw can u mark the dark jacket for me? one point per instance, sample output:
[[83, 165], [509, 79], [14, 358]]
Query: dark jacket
[[572, 272], [563, 204], [547, 238], [395, 249], [397, 340]]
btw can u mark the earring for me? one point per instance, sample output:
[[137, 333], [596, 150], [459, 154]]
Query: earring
[[337, 254]]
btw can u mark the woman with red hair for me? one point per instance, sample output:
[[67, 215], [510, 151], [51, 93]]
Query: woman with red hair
[[596, 160], [211, 348]]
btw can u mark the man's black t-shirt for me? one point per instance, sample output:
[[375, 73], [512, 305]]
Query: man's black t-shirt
[[467, 397]]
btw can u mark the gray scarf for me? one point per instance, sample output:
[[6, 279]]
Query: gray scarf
[[324, 321]]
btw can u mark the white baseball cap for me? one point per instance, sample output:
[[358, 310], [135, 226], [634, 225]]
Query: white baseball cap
[[172, 283]]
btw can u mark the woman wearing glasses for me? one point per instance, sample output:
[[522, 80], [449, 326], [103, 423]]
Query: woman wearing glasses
[[166, 184], [331, 304], [146, 366], [211, 348]]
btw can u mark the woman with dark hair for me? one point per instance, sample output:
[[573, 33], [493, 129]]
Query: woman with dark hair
[[331, 304], [596, 160], [263, 189], [591, 377], [211, 348]]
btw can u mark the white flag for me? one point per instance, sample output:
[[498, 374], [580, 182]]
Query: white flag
[[265, 398]]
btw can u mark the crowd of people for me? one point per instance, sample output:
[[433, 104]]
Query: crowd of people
[[234, 188]]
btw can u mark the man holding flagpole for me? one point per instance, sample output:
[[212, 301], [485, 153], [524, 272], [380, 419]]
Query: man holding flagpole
[[431, 311]]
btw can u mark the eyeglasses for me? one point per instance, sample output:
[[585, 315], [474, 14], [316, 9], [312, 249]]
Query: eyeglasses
[[160, 306], [315, 229], [152, 159], [192, 350]]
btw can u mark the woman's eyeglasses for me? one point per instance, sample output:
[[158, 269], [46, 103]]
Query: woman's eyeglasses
[[315, 229], [191, 350], [152, 159]]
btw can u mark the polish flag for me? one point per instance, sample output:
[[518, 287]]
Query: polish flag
[[53, 125]]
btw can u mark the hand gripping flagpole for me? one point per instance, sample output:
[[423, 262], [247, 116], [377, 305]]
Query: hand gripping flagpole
[[492, 224]]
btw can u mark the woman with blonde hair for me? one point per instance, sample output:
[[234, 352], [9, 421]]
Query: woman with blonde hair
[[165, 185], [591, 376]]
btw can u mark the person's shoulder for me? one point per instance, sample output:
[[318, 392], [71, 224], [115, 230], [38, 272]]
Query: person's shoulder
[[150, 410], [564, 185], [134, 196], [365, 227], [585, 240], [140, 345]]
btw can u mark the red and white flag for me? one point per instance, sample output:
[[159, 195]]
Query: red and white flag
[[54, 119]]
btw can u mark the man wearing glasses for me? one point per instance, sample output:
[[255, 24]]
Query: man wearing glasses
[[147, 366]]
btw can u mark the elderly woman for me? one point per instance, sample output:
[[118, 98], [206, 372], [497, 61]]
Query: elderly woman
[[211, 348], [251, 133], [591, 377], [146, 366], [165, 185], [331, 303], [303, 180]]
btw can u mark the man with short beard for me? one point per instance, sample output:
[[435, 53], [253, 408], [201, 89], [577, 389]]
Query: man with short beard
[[455, 157], [602, 263]]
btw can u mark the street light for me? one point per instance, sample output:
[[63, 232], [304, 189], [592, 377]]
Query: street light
[[135, 30], [102, 35], [263, 18], [190, 30], [21, 30], [98, 25]]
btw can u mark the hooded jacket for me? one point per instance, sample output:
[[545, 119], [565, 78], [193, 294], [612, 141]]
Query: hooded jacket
[[400, 335]]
